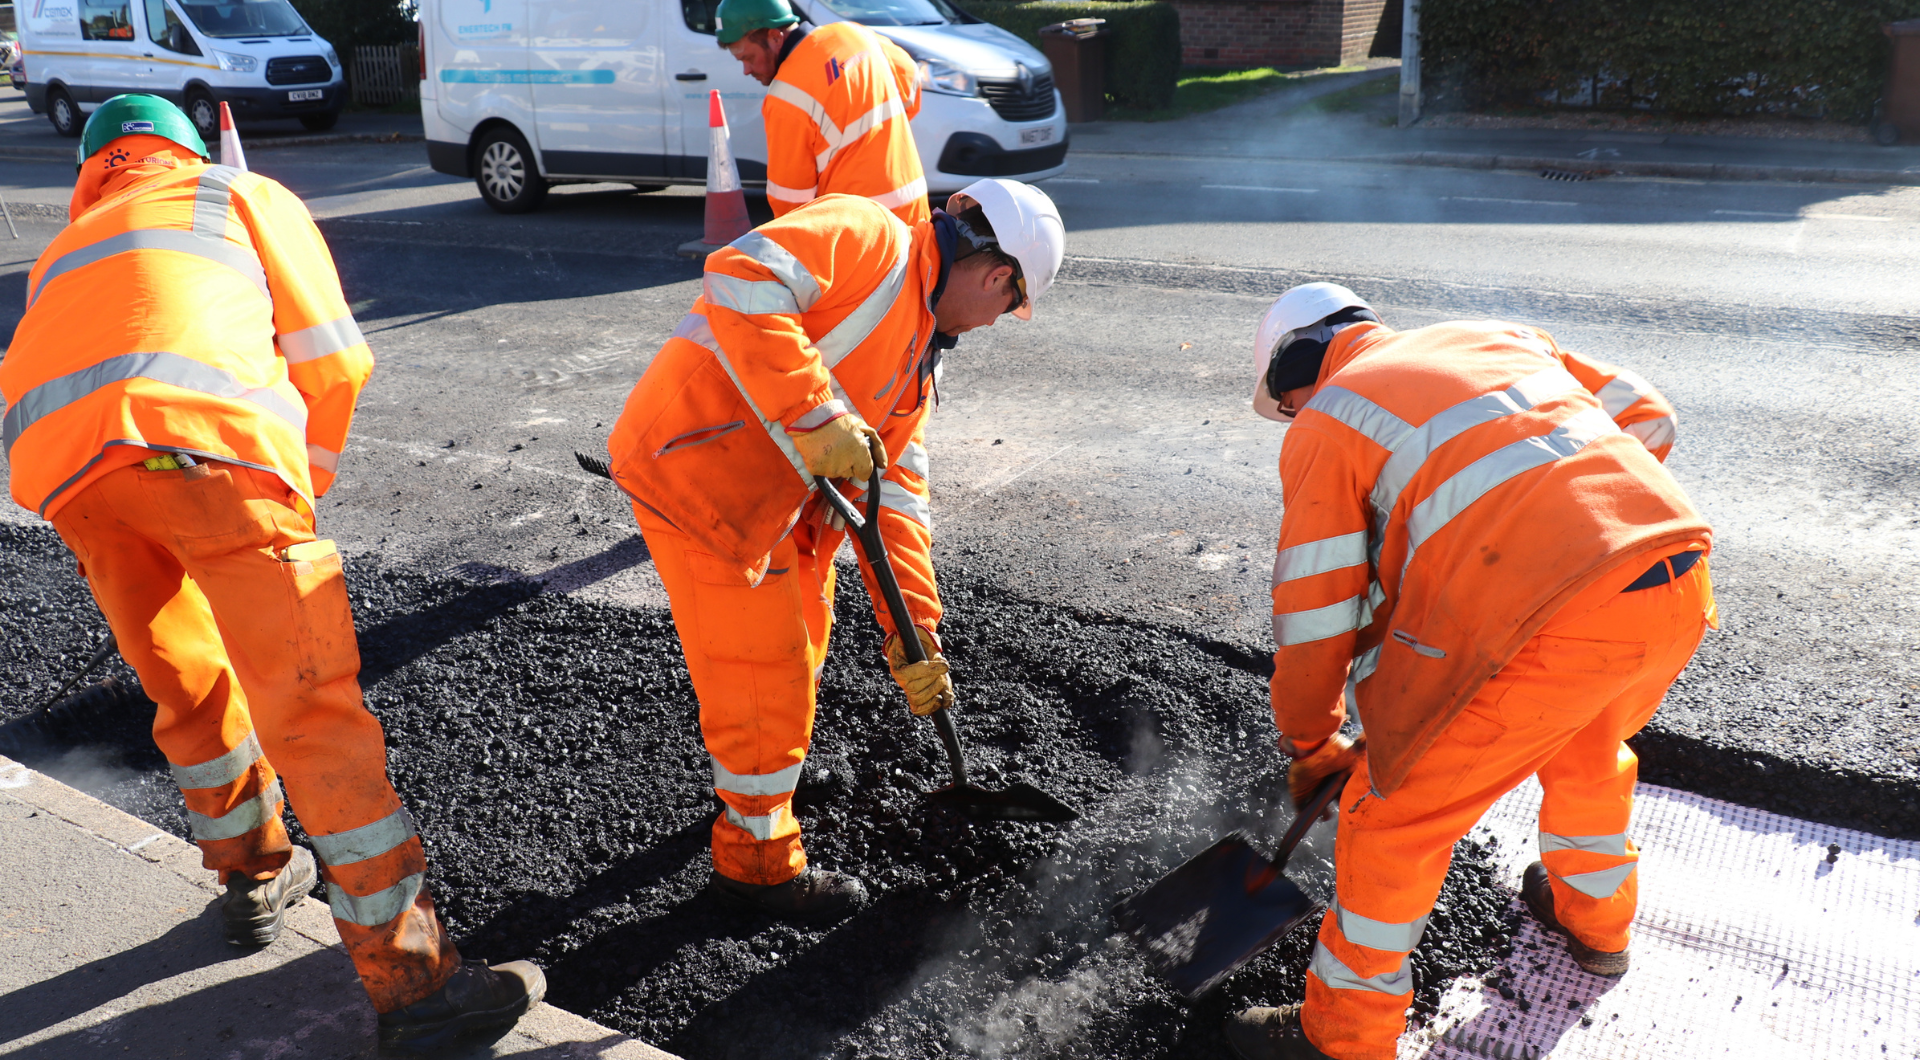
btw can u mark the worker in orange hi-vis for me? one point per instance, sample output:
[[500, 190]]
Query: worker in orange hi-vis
[[814, 350], [1483, 555], [839, 99], [178, 393]]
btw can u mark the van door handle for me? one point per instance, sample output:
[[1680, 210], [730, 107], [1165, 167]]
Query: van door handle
[[146, 55], [691, 75]]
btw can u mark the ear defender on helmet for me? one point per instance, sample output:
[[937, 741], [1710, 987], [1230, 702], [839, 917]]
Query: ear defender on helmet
[[1297, 356]]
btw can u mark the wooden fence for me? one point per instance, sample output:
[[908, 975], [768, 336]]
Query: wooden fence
[[385, 74]]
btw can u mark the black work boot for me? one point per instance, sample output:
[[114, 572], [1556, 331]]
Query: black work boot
[[1538, 894], [815, 894], [255, 910], [1270, 1034], [477, 998]]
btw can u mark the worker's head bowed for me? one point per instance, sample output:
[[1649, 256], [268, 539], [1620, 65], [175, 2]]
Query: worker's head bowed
[[128, 132], [755, 32], [1008, 245], [1291, 344]]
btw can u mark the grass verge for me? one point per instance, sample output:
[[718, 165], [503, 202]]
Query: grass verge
[[1207, 88]]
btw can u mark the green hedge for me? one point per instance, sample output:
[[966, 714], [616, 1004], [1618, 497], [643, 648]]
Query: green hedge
[[347, 24], [1143, 53], [1815, 58]]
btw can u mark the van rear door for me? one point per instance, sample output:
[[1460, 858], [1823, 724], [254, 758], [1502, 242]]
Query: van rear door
[[698, 64], [596, 88]]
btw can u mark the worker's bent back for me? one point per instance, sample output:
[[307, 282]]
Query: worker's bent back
[[837, 118]]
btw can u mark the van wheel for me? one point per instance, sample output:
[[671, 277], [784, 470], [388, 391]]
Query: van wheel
[[204, 113], [320, 122], [507, 177], [63, 114]]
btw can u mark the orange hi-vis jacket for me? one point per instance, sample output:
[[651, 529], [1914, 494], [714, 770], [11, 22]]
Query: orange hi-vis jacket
[[837, 122], [1447, 491], [189, 309], [813, 314]]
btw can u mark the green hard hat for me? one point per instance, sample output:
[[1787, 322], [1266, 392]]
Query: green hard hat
[[136, 114], [735, 19]]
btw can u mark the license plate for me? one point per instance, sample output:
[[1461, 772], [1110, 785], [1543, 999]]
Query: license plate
[[303, 95], [1042, 135]]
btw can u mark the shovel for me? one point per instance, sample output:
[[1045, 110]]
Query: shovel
[[1021, 802], [1224, 907]]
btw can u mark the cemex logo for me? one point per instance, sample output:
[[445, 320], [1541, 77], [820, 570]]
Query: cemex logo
[[834, 70]]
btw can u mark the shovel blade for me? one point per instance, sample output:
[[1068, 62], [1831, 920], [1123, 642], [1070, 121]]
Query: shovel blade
[[1213, 914], [1020, 802]]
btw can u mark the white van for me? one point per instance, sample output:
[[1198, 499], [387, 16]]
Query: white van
[[257, 55], [521, 94]]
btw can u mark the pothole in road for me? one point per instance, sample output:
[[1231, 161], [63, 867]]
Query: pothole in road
[[550, 749]]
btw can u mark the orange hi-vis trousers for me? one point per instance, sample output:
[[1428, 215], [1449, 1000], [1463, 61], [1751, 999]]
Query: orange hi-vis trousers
[[238, 624], [754, 653], [1561, 709]]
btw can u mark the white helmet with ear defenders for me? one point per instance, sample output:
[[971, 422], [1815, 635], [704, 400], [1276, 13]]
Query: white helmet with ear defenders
[[1293, 338]]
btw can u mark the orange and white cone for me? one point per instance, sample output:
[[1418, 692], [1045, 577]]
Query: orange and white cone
[[726, 201], [230, 152]]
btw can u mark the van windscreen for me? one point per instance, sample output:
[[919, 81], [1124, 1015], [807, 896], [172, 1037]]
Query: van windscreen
[[896, 12], [246, 18]]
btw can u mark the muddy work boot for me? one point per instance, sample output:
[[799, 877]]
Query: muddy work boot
[[477, 998], [1270, 1034], [815, 894], [254, 910], [1538, 894]]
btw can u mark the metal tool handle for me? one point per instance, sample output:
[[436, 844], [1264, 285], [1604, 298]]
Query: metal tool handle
[[866, 530]]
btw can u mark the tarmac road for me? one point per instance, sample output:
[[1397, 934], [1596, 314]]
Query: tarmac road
[[1103, 457]]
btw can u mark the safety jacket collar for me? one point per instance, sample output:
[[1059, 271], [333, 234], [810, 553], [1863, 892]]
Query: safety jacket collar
[[946, 243], [1347, 346], [128, 161], [794, 37]]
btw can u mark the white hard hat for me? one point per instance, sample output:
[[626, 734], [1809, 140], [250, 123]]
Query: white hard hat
[[1300, 308], [1026, 225]]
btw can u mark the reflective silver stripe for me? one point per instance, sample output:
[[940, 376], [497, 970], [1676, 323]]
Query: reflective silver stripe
[[212, 198], [780, 261], [1479, 478], [1303, 627], [1379, 934], [1653, 433], [852, 331], [1602, 884], [861, 126], [1411, 452], [786, 194], [1615, 845], [321, 340], [323, 458], [225, 769], [778, 782], [1319, 557], [1340, 977], [380, 907], [903, 500], [902, 195], [821, 414], [1364, 665], [1622, 392], [760, 827], [693, 327], [169, 368], [748, 296], [240, 820], [788, 92], [1386, 429], [367, 841], [219, 251], [914, 458]]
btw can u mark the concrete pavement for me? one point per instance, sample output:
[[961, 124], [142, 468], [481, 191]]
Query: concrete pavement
[[110, 946]]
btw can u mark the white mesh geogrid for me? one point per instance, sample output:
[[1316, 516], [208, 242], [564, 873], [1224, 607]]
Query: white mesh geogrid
[[1749, 942]]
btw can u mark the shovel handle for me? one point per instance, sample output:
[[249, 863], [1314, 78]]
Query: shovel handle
[[1258, 879], [866, 530]]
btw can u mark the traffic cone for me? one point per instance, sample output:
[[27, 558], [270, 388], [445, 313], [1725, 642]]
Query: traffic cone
[[230, 152], [726, 201]]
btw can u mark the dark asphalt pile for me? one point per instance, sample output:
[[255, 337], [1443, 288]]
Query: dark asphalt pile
[[549, 748]]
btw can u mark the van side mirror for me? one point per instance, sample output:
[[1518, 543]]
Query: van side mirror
[[179, 40]]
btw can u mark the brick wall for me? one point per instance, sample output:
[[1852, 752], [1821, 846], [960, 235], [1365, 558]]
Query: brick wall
[[1276, 32]]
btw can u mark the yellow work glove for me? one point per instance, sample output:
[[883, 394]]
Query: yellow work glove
[[842, 447], [926, 684], [1337, 755]]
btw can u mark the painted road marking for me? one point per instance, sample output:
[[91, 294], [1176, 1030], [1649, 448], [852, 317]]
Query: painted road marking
[[1517, 202], [1253, 187], [1805, 216], [1072, 180]]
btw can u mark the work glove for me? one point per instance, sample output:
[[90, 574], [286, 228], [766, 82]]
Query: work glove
[[926, 684], [842, 447], [1338, 754]]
